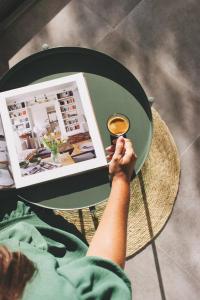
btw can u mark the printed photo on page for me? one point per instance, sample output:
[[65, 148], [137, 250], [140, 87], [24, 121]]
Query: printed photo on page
[[6, 180], [51, 130]]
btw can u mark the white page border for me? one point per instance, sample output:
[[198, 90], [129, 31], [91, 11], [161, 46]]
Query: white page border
[[99, 161]]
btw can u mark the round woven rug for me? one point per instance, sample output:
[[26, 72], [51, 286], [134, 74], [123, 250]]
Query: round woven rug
[[153, 193]]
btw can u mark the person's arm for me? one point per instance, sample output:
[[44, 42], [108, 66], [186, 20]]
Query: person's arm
[[109, 240]]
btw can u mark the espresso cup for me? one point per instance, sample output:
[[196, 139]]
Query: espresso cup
[[118, 124]]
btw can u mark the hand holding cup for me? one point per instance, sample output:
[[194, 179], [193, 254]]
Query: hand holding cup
[[122, 159]]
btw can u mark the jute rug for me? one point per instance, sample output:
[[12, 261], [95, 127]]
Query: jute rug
[[153, 193]]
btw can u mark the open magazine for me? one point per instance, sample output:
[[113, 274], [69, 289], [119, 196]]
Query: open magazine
[[6, 179], [48, 130]]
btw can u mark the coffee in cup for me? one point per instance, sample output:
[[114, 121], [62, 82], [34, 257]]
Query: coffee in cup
[[118, 124]]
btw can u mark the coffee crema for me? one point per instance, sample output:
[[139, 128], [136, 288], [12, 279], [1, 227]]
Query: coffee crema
[[118, 125]]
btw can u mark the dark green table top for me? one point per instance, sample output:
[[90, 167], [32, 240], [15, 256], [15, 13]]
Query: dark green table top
[[110, 93]]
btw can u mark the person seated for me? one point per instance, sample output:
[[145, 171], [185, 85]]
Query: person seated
[[39, 261]]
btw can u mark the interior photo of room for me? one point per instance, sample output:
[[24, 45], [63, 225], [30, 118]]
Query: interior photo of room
[[50, 130]]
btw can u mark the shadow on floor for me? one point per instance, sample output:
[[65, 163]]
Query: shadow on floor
[[155, 254], [42, 12]]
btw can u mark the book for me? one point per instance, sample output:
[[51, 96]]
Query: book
[[49, 130], [6, 178]]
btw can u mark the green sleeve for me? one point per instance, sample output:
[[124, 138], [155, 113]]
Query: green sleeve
[[95, 278]]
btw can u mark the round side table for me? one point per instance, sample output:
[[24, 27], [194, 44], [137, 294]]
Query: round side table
[[113, 89]]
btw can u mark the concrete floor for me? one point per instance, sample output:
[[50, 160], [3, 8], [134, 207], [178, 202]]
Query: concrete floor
[[159, 42]]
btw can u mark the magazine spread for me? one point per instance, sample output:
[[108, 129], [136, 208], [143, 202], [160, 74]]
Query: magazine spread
[[6, 179], [50, 130]]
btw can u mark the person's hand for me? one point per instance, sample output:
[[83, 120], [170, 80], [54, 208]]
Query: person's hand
[[122, 159]]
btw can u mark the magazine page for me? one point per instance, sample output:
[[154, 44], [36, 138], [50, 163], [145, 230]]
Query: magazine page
[[51, 130], [6, 180]]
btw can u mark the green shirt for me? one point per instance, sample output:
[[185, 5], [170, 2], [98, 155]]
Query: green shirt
[[63, 270]]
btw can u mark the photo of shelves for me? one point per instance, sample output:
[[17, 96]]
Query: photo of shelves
[[19, 117]]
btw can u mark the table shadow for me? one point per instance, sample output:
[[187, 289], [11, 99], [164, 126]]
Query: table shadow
[[64, 186], [152, 236]]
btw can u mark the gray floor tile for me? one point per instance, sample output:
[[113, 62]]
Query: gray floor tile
[[74, 25], [180, 240], [137, 26], [180, 109], [28, 25], [168, 32], [176, 34], [142, 273], [176, 67], [130, 55], [157, 31], [179, 285], [3, 67], [113, 11]]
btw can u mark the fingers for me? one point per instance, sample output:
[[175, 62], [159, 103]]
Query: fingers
[[110, 148], [123, 148], [128, 147], [113, 145], [130, 153], [109, 157], [119, 146], [116, 150]]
